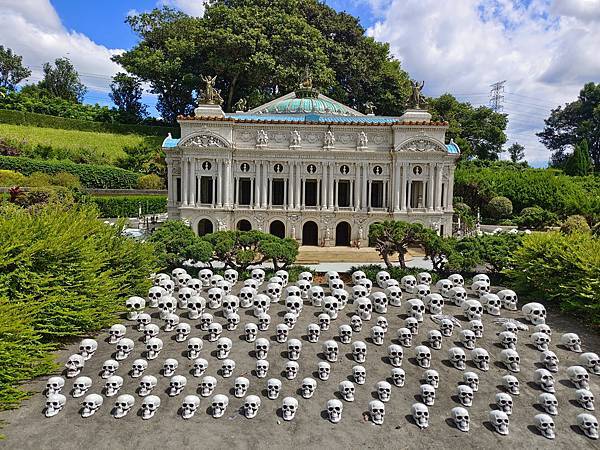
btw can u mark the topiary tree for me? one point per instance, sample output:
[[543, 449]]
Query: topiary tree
[[177, 242], [535, 217], [575, 224], [579, 163], [499, 208], [150, 181]]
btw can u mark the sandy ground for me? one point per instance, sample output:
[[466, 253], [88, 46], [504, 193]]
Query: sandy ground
[[27, 428]]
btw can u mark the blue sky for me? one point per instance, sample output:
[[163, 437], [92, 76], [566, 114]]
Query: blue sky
[[545, 49]]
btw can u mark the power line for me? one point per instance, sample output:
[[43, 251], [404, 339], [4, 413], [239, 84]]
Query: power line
[[496, 95]]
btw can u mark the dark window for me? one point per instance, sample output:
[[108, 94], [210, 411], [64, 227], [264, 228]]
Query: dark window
[[311, 193], [377, 194], [178, 188], [278, 197], [206, 190], [343, 193], [245, 191]]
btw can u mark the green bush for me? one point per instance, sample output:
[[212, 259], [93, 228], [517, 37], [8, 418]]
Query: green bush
[[535, 218], [65, 123], [560, 268], [547, 188], [499, 208], [11, 178], [90, 175], [63, 274], [177, 242], [491, 251], [129, 205], [575, 224], [150, 181]]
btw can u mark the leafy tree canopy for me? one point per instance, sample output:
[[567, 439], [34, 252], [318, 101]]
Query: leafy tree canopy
[[62, 80], [478, 131], [126, 94], [516, 152], [576, 121], [12, 70], [259, 50]]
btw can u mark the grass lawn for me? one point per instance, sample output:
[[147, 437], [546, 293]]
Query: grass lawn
[[73, 144]]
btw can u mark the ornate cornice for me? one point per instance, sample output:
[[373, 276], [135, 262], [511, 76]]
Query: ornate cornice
[[204, 139]]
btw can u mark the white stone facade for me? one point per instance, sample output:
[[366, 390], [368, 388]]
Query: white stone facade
[[320, 179]]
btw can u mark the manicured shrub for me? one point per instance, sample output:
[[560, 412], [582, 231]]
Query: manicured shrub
[[91, 176], [63, 274], [177, 243], [150, 181], [499, 208], [11, 178], [535, 218], [560, 268], [129, 205], [575, 224]]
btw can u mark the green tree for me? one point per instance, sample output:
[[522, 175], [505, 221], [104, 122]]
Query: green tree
[[126, 94], [62, 80], [177, 243], [579, 163], [499, 208], [576, 121], [516, 152], [259, 50], [478, 131], [395, 237], [12, 70]]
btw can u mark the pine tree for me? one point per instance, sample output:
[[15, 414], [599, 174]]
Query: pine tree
[[579, 163]]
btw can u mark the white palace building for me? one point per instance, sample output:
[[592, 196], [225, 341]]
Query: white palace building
[[307, 167]]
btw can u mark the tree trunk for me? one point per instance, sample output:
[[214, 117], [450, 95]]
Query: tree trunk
[[386, 259], [401, 259], [228, 106]]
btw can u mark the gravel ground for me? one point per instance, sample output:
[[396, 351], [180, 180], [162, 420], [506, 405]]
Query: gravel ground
[[27, 428]]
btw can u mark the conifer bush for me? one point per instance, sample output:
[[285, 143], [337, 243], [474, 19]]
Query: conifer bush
[[63, 274]]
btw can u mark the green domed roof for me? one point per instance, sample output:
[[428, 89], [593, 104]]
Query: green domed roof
[[306, 106]]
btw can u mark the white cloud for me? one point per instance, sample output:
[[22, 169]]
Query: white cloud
[[190, 7], [33, 29], [545, 50]]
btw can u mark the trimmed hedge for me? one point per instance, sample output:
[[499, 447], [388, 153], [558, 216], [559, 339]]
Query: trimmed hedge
[[129, 205], [46, 121], [90, 175]]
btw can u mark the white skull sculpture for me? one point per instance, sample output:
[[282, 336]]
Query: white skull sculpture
[[189, 406], [377, 412], [289, 408], [147, 383], [273, 388], [219, 405], [54, 404], [420, 414], [123, 405], [534, 313], [150, 405], [90, 404]]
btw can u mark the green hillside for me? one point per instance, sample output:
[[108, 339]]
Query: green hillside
[[75, 145]]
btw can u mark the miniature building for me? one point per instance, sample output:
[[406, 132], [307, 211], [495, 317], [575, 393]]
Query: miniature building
[[307, 167]]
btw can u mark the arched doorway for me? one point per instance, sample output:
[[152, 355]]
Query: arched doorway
[[205, 227], [310, 233], [277, 228], [244, 225], [342, 234]]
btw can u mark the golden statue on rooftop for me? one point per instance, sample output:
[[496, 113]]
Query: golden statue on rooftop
[[210, 95]]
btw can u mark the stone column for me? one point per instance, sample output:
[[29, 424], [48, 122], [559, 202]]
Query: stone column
[[331, 187], [220, 183], [365, 177], [228, 182], [236, 199], [171, 185], [370, 194], [430, 200], [264, 174], [335, 191], [449, 205], [270, 184], [357, 188], [256, 184], [297, 184], [193, 182], [303, 201], [438, 197], [397, 183], [402, 186], [285, 193], [324, 186], [291, 187], [386, 186], [185, 179], [409, 192]]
